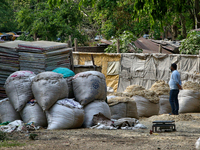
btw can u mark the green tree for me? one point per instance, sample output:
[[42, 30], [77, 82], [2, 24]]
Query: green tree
[[48, 23], [7, 20]]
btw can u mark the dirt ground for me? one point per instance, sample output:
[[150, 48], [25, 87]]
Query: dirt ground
[[85, 139]]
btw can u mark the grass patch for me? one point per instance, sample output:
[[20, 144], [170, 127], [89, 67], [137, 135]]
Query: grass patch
[[10, 144], [3, 136]]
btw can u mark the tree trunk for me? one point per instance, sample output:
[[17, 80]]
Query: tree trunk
[[174, 30], [183, 26], [35, 36], [197, 16]]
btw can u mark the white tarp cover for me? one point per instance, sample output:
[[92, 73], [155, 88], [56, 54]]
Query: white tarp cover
[[146, 69]]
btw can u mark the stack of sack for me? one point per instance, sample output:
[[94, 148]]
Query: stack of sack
[[122, 107], [162, 90], [51, 91], [48, 99], [42, 99], [189, 98], [20, 103], [147, 101], [90, 91]]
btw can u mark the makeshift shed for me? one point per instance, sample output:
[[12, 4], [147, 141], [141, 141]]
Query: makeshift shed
[[146, 69], [110, 64]]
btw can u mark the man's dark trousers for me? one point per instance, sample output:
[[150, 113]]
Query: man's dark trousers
[[173, 99]]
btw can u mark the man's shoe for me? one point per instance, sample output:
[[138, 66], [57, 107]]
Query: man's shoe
[[171, 114]]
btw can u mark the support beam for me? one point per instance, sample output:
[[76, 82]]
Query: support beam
[[75, 44]]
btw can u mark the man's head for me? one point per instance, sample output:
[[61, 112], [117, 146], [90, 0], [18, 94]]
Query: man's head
[[173, 67]]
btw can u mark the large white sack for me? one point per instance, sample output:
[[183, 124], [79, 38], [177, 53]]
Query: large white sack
[[48, 87], [145, 108], [18, 88], [94, 108], [189, 101], [89, 86], [124, 110], [70, 86], [165, 107], [32, 112], [122, 107], [7, 111], [65, 114]]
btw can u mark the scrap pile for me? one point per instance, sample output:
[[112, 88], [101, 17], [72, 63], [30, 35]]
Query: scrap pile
[[9, 63], [40, 56], [37, 56]]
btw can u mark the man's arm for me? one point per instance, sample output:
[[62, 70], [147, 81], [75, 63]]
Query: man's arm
[[179, 86]]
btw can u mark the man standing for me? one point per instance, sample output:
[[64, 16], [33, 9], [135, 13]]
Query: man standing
[[175, 86]]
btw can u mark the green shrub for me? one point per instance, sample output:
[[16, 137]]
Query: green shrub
[[191, 45], [126, 39]]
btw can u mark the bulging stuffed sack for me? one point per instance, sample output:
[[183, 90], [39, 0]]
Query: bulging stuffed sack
[[145, 107], [18, 88], [165, 107], [95, 108], [7, 111], [48, 87], [189, 101], [32, 112], [122, 107], [65, 114], [89, 86]]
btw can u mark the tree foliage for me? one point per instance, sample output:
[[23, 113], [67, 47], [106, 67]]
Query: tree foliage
[[50, 23], [126, 40], [191, 45], [7, 20], [50, 19]]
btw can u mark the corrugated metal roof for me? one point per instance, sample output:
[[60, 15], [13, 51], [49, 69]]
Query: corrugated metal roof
[[149, 47]]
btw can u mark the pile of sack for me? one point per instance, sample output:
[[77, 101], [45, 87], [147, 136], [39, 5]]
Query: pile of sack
[[134, 102], [56, 99], [90, 91]]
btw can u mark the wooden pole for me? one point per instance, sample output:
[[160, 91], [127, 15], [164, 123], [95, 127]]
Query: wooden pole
[[75, 44], [160, 48], [70, 41], [199, 62], [118, 46]]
